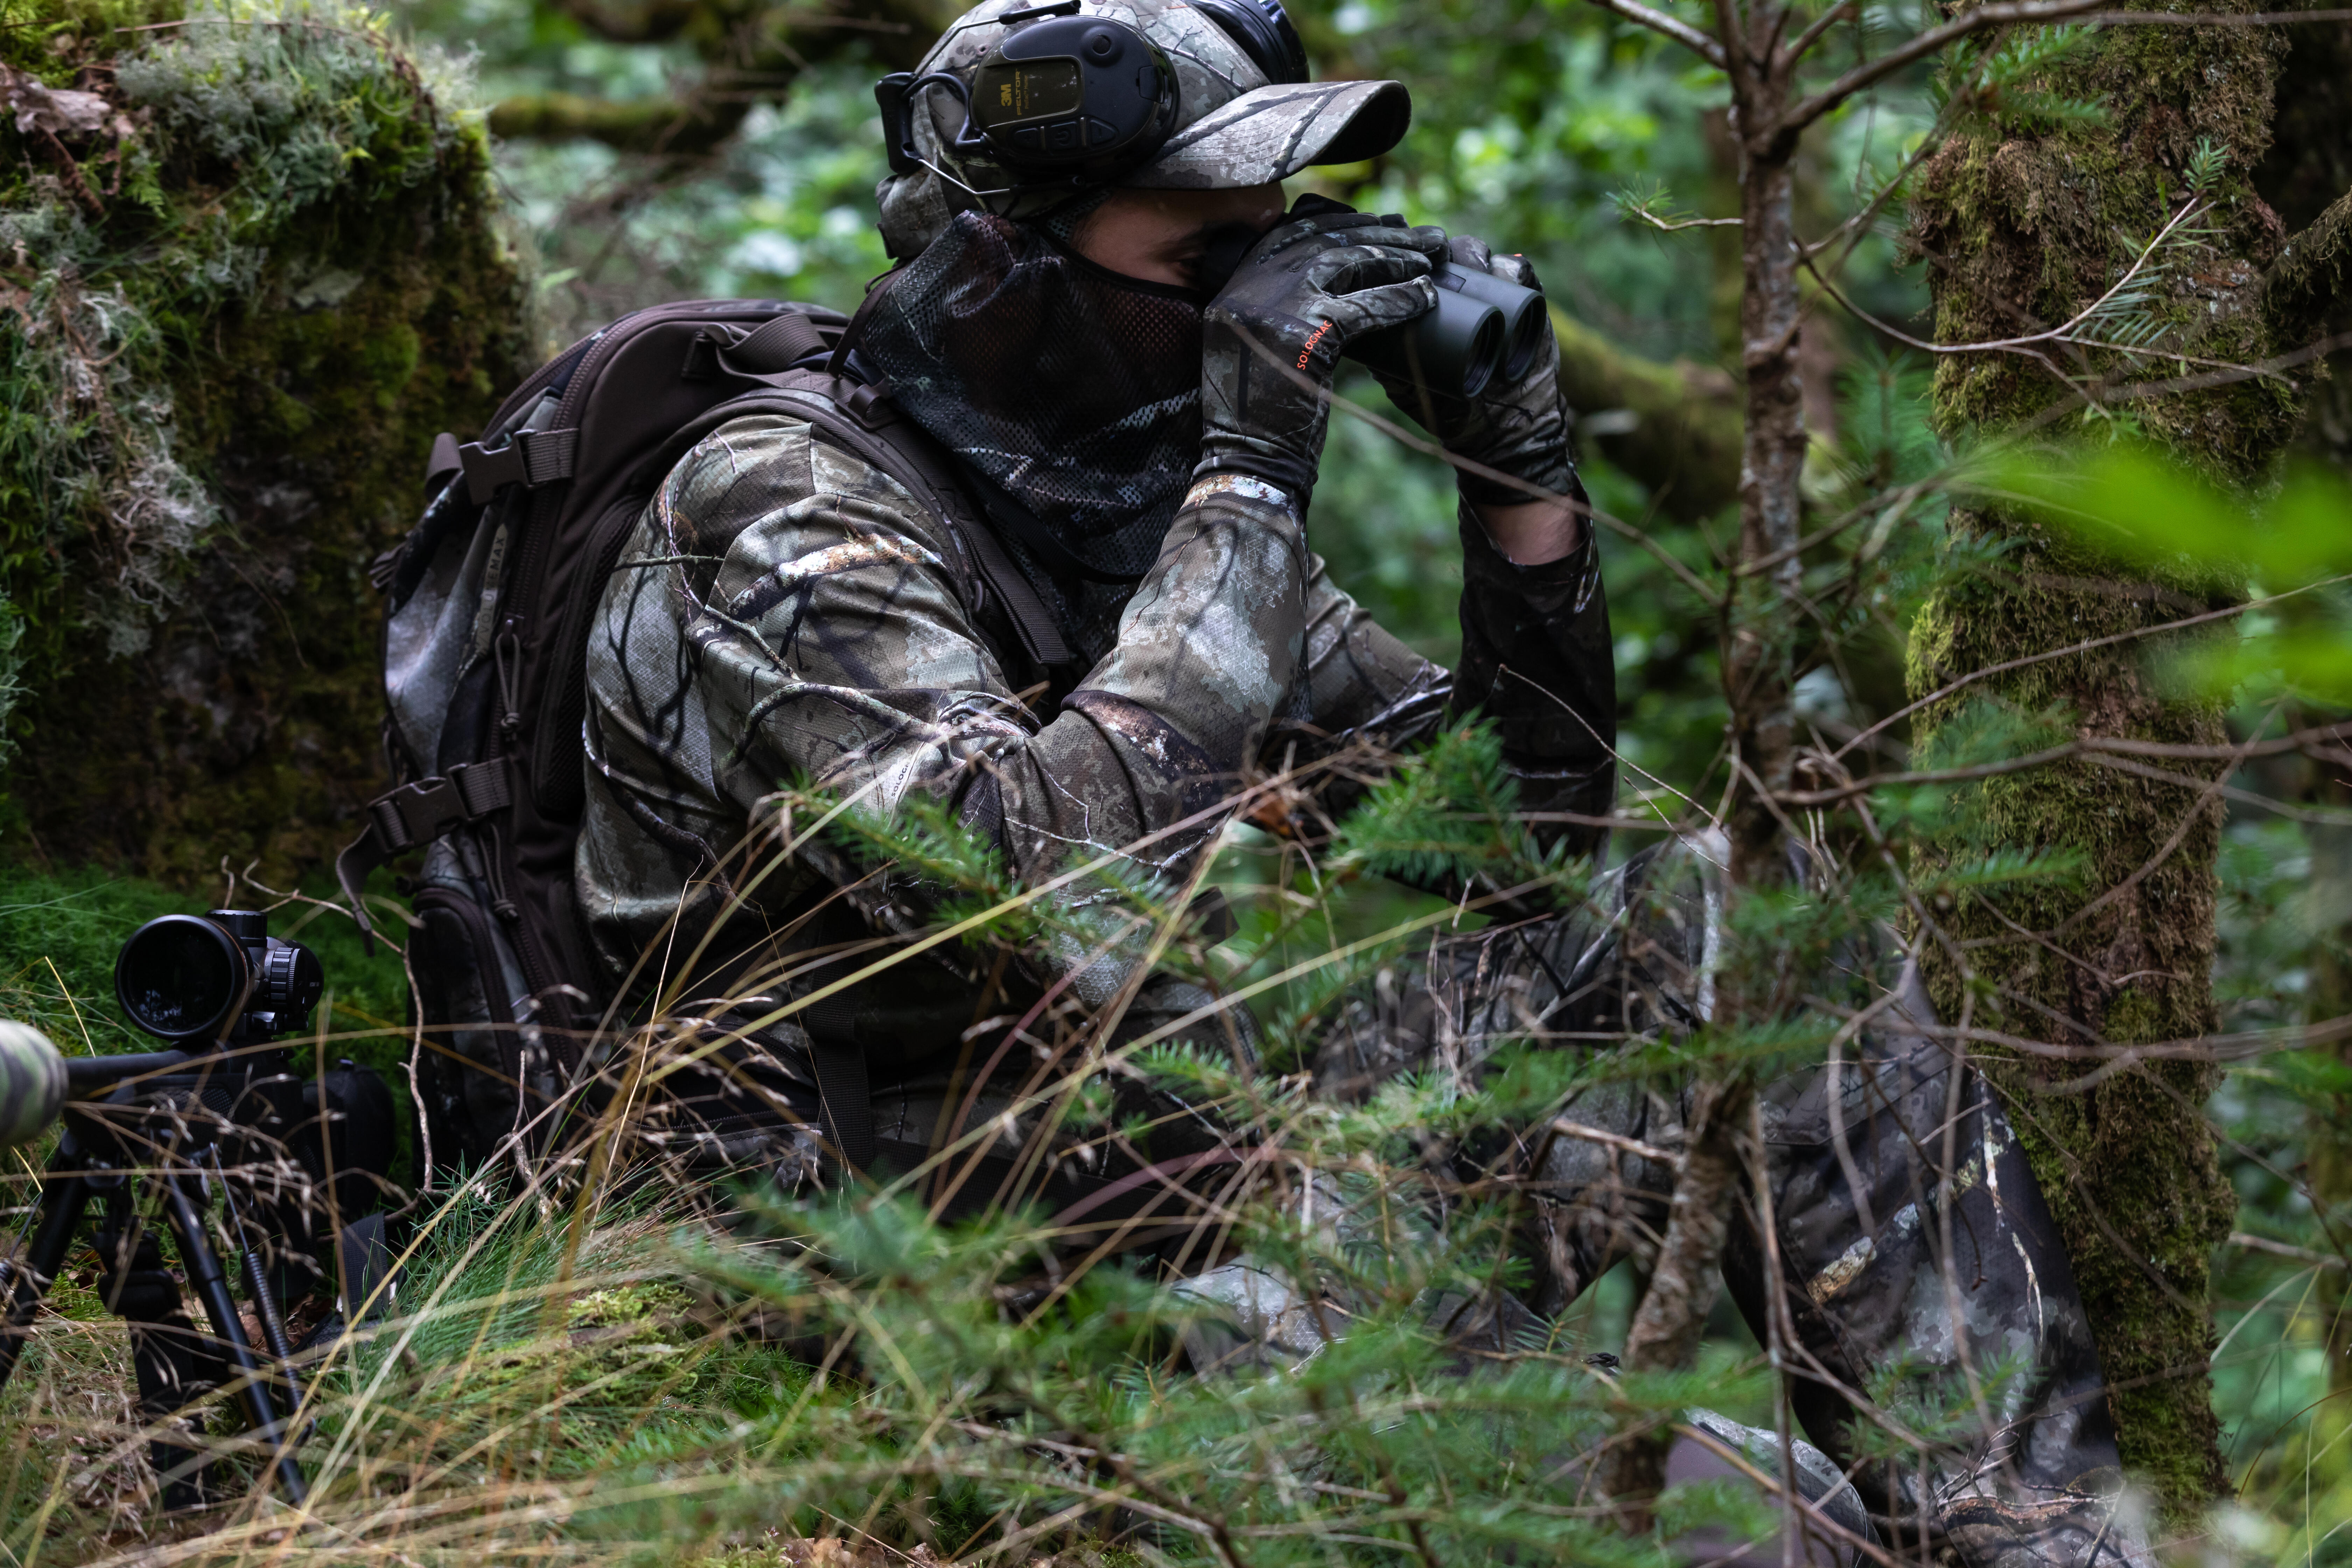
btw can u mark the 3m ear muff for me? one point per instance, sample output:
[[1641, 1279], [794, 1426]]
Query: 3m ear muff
[[1069, 99], [1075, 98]]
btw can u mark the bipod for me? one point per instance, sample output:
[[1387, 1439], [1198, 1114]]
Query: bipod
[[138, 1126]]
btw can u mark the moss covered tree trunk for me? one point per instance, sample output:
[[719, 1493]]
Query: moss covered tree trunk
[[251, 269], [2023, 225], [2308, 165]]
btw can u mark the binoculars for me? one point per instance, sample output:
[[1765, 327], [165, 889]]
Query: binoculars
[[1482, 326]]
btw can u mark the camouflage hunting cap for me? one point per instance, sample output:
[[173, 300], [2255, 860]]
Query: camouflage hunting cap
[[1234, 126]]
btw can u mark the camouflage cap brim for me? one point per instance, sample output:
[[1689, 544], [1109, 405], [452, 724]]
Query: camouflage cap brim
[[1272, 133]]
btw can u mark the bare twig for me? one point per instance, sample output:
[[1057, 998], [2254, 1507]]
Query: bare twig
[[2086, 745], [1617, 1141], [2212, 18], [1683, 33], [2281, 1249], [2317, 817], [1670, 224], [2027, 12], [1953, 687], [2180, 831], [2041, 759]]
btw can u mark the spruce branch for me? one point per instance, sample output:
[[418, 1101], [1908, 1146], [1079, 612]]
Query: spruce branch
[[1655, 208]]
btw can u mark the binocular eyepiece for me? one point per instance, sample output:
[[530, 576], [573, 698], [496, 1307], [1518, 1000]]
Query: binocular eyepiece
[[1482, 326], [216, 976]]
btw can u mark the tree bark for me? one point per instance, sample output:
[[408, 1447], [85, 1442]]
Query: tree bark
[[1759, 646], [1759, 651], [671, 127], [1671, 1317], [2024, 226], [750, 56]]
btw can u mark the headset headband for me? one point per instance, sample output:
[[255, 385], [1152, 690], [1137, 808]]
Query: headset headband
[[1263, 32]]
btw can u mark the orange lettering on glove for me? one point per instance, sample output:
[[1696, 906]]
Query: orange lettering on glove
[[1309, 352]]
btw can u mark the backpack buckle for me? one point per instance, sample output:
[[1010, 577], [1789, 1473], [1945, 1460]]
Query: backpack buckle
[[418, 813], [869, 404], [532, 459]]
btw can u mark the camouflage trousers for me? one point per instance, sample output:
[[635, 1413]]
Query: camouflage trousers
[[1916, 1259], [1918, 1265]]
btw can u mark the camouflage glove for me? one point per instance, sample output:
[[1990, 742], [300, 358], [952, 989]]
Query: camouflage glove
[[1518, 427], [1319, 279]]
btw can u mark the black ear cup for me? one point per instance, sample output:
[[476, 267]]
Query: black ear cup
[[1080, 93], [1066, 97], [1264, 33]]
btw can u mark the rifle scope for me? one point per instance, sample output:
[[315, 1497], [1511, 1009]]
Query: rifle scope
[[217, 976]]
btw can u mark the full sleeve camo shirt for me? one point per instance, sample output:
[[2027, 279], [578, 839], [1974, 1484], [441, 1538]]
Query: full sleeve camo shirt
[[786, 613]]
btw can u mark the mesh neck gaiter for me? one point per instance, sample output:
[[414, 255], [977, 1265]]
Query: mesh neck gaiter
[[1070, 395]]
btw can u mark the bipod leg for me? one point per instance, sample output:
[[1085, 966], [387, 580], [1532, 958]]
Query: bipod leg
[[175, 1362], [204, 1273], [265, 1306], [63, 1198], [257, 1284]]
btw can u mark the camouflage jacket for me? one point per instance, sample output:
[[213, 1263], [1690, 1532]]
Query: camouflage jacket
[[786, 613]]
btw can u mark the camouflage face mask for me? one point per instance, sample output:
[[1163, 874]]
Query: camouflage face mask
[[1070, 393]]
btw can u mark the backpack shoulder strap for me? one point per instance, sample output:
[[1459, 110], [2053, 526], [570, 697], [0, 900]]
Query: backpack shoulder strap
[[861, 420]]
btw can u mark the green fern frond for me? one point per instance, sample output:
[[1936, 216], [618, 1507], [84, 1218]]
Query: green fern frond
[[2207, 165]]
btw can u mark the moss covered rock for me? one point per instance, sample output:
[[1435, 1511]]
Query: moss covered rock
[[252, 266]]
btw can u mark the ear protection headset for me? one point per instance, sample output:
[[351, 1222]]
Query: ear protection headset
[[1071, 100]]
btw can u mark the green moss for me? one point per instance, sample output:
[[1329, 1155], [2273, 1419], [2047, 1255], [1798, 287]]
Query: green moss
[[2127, 1164], [299, 283], [2025, 226], [2030, 225], [52, 39]]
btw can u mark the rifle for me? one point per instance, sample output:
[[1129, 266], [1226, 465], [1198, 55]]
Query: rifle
[[150, 1135]]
